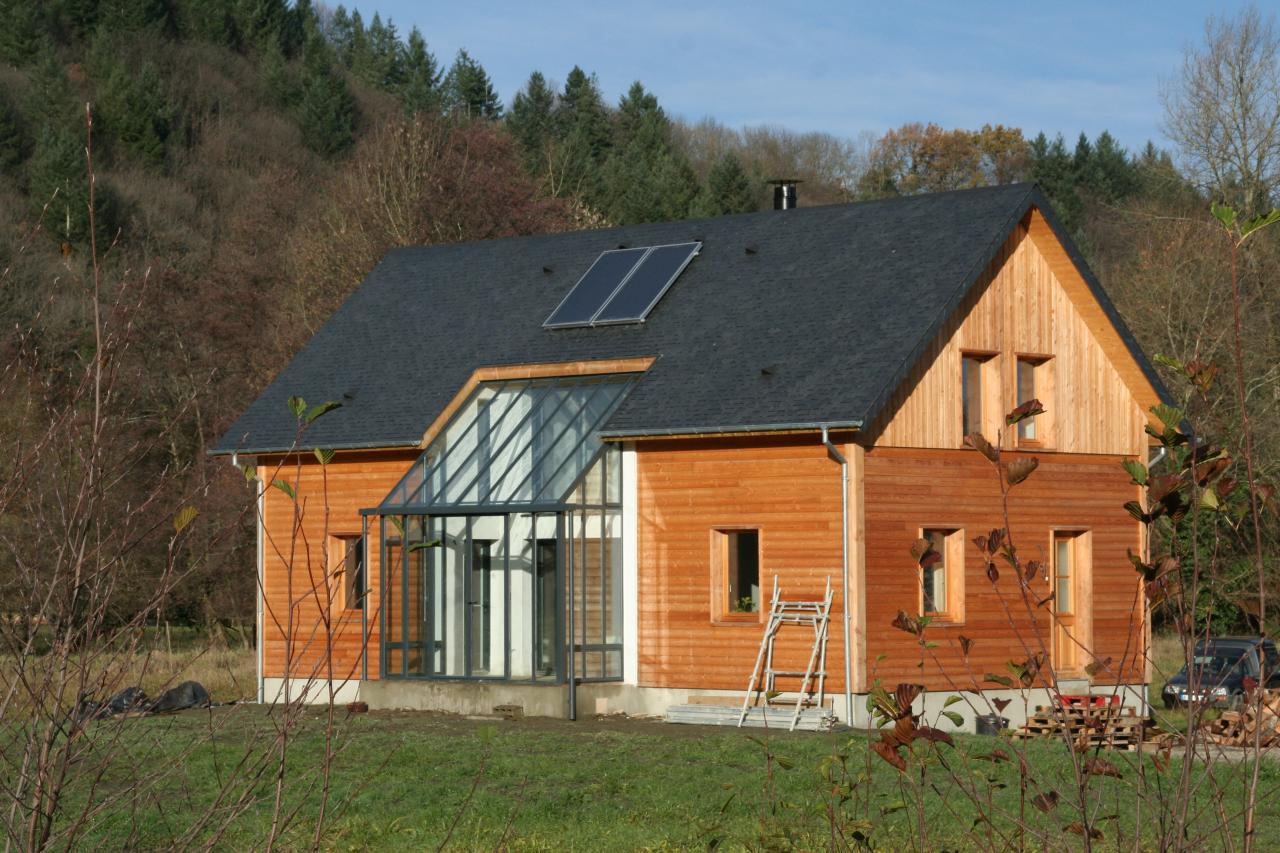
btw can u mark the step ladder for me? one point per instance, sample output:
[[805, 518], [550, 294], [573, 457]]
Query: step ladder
[[816, 614]]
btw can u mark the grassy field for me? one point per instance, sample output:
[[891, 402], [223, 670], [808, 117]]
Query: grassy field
[[408, 781]]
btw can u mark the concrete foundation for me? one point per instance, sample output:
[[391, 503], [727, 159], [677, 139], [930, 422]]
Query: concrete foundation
[[552, 700]]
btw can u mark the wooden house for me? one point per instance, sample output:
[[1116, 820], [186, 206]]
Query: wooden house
[[566, 469]]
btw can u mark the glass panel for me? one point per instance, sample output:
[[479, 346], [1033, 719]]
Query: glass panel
[[743, 571], [513, 443], [486, 597], [446, 597], [971, 394], [521, 544], [1026, 391], [612, 592], [546, 615], [392, 612], [1062, 574], [412, 602], [935, 574]]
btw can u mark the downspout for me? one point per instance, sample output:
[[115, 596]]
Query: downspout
[[844, 570], [262, 590], [364, 596]]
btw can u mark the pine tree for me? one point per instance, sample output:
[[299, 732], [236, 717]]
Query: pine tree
[[421, 90], [200, 20], [648, 181], [469, 91], [327, 111], [1114, 177], [728, 190], [58, 182], [633, 110], [22, 32], [48, 93], [582, 112], [377, 57], [531, 118], [130, 15], [136, 113], [341, 34], [78, 17], [14, 146]]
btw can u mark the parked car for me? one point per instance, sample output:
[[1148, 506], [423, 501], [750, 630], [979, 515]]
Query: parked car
[[1223, 670]]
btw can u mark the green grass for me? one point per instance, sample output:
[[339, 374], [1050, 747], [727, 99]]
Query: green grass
[[402, 779]]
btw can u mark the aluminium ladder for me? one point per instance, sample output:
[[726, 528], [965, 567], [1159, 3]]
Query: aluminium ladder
[[816, 614]]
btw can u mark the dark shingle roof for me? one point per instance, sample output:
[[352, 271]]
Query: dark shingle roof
[[819, 323]]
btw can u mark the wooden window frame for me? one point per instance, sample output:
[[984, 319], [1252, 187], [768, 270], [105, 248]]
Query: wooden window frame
[[721, 612], [988, 394], [338, 555], [953, 572], [1079, 620], [1042, 374]]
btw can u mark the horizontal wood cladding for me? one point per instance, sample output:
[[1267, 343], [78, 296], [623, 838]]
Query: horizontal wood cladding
[[299, 545], [786, 487], [907, 489], [1021, 307]]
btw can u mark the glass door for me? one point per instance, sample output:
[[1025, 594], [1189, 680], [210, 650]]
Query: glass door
[[1064, 602]]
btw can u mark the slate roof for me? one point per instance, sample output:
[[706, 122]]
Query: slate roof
[[818, 323]]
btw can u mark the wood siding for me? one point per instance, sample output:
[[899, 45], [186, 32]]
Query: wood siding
[[907, 489], [788, 488], [1022, 307], [294, 559]]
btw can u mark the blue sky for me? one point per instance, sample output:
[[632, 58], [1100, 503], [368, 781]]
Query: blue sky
[[841, 67]]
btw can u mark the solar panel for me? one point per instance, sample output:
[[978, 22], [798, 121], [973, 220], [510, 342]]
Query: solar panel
[[646, 284], [595, 287]]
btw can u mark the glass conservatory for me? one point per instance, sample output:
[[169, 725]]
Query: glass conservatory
[[502, 544]]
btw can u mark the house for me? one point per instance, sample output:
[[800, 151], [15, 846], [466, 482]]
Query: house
[[567, 468]]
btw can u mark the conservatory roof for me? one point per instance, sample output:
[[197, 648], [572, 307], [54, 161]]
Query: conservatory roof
[[514, 445]]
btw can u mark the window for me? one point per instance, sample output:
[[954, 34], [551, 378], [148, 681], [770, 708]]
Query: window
[[1033, 383], [350, 555], [1069, 579], [942, 574], [737, 572], [974, 368]]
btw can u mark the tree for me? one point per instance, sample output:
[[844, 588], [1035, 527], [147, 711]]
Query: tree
[[531, 118], [581, 113], [421, 90], [23, 32], [469, 91], [59, 189], [136, 113], [633, 110], [377, 59], [422, 180], [648, 181], [327, 111], [1223, 111], [14, 145], [728, 190]]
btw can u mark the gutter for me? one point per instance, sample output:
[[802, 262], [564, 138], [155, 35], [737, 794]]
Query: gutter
[[835, 454], [803, 426], [262, 591]]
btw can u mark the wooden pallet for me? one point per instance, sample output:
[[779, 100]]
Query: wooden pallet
[[1088, 723]]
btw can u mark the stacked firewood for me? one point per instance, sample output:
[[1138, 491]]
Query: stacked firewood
[[1259, 719]]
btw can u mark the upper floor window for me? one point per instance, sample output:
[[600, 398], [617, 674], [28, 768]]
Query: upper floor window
[[1033, 382], [974, 370]]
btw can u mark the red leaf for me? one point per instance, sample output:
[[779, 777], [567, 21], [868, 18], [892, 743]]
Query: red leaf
[[1101, 767], [889, 754], [993, 574], [1029, 409], [965, 644], [1001, 704], [1046, 802], [978, 442], [1020, 469], [935, 735]]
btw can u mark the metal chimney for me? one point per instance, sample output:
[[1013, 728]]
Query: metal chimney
[[784, 193]]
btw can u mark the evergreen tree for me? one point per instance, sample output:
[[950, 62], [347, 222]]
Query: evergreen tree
[[648, 181], [341, 34], [1055, 170], [582, 113], [379, 62], [469, 91], [633, 110], [531, 119], [136, 113], [1114, 177], [327, 111], [14, 146], [48, 95], [200, 20], [22, 32], [421, 90], [728, 190], [129, 15], [58, 180], [78, 17]]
